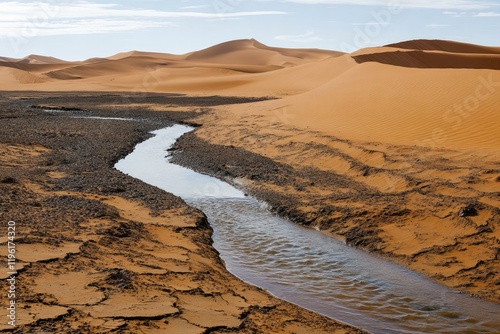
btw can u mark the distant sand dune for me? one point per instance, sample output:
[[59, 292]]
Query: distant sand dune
[[421, 59], [35, 67], [383, 103], [423, 92], [12, 77], [251, 52], [36, 59], [7, 59], [447, 46]]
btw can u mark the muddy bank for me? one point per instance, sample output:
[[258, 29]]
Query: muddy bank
[[435, 211], [100, 252]]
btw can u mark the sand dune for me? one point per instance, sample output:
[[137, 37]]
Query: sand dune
[[37, 59], [7, 59], [12, 77], [421, 59], [135, 53], [37, 68], [424, 92], [377, 102], [232, 67], [251, 52]]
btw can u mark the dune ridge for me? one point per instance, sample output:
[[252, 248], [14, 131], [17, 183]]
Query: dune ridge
[[432, 59], [255, 53], [447, 46]]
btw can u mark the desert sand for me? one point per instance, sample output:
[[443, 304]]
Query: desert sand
[[406, 135]]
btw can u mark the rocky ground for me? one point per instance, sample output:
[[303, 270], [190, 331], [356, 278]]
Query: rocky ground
[[100, 252]]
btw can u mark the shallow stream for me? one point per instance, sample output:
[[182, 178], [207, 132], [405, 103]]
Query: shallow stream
[[304, 266]]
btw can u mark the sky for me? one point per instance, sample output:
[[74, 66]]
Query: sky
[[78, 30]]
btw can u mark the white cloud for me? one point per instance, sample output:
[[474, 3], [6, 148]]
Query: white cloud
[[307, 37], [487, 14], [456, 14], [196, 7], [47, 18], [372, 23], [80, 27], [18, 10], [437, 25], [429, 4], [472, 14]]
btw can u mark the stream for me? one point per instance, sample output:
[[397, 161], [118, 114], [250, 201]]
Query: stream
[[304, 266]]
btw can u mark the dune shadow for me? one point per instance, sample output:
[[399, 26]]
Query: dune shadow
[[446, 46], [421, 59]]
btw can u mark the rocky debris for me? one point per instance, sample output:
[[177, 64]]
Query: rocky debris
[[8, 180], [120, 277], [228, 161], [362, 238], [468, 210]]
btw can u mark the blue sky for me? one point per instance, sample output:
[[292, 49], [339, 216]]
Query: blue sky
[[77, 30]]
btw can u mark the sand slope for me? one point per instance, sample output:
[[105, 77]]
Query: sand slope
[[425, 98]]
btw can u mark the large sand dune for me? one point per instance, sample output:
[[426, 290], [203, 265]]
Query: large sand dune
[[251, 52], [424, 92], [375, 101]]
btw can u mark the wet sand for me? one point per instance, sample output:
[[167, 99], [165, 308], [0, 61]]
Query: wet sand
[[100, 252]]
